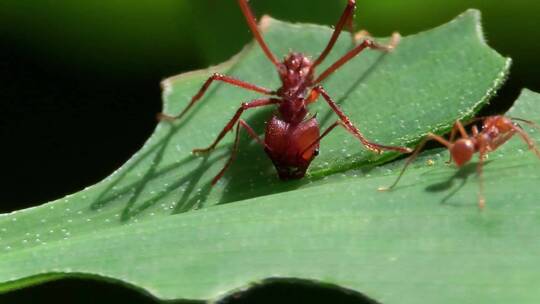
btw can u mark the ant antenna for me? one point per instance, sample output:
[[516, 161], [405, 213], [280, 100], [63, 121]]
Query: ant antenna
[[528, 122]]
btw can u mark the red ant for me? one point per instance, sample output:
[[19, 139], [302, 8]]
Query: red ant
[[292, 138], [496, 130]]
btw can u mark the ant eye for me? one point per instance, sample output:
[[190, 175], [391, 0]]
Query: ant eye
[[316, 152]]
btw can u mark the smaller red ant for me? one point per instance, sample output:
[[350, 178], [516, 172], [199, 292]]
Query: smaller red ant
[[496, 130]]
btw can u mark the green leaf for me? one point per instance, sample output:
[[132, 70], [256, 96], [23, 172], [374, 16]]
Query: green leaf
[[331, 228]]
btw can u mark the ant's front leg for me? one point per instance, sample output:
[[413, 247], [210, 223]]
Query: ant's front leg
[[204, 88], [368, 43], [247, 105], [528, 140], [347, 18], [348, 125]]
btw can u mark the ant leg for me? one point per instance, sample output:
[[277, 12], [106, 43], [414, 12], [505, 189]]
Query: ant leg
[[204, 88], [458, 126], [451, 139], [350, 26], [356, 36], [330, 128], [527, 139], [479, 167], [347, 124], [367, 43], [361, 35], [411, 158], [251, 132], [247, 105], [346, 18], [475, 130], [461, 129], [252, 23]]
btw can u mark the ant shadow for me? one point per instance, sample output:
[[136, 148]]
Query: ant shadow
[[154, 156], [354, 86], [462, 174]]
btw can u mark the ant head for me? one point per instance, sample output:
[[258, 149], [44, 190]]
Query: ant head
[[462, 151], [504, 124], [501, 123], [296, 65]]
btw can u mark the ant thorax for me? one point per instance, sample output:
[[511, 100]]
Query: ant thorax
[[296, 76]]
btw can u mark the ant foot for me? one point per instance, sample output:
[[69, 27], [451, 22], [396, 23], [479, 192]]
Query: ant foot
[[481, 203], [165, 117], [361, 35], [396, 38], [408, 150], [536, 151], [378, 151], [201, 151], [374, 149], [382, 189]]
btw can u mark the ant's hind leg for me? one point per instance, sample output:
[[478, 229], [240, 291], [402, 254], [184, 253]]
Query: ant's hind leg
[[348, 125], [234, 152], [366, 44], [206, 85]]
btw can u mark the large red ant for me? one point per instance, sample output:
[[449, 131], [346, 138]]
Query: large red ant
[[496, 130], [292, 137]]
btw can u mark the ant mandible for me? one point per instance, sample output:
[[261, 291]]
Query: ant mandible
[[495, 131], [291, 137]]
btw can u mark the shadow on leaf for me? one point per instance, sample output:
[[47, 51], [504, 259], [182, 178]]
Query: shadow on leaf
[[241, 182]]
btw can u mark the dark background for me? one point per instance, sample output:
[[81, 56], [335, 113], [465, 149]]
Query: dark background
[[79, 81]]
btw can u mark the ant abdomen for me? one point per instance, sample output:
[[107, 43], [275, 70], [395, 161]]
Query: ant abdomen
[[291, 149]]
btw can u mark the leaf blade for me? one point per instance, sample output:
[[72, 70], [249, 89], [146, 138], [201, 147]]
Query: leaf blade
[[129, 209]]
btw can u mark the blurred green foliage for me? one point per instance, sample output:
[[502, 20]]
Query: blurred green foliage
[[179, 35]]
